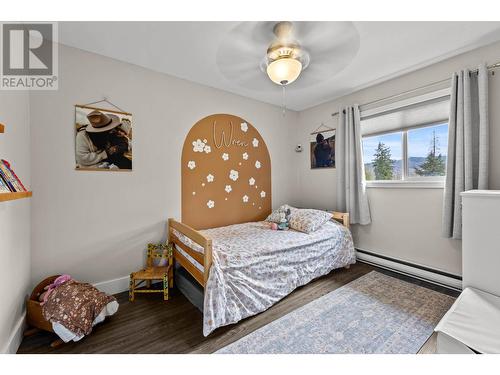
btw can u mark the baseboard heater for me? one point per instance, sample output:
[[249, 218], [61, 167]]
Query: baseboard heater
[[424, 273]]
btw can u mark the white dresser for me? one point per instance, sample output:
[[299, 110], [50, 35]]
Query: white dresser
[[481, 240], [472, 325]]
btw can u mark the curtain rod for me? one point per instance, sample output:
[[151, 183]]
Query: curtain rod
[[489, 67]]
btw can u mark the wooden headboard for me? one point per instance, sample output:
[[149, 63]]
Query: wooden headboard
[[226, 173]]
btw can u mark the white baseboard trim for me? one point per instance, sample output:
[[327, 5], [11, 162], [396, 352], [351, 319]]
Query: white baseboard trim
[[16, 336], [406, 268], [114, 286]]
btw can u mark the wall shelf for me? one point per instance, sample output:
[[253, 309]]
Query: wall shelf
[[4, 197]]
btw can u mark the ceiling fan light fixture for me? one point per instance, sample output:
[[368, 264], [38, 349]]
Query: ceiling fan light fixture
[[285, 58], [284, 71]]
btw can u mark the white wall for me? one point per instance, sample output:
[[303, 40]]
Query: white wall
[[15, 255], [406, 222], [95, 225]]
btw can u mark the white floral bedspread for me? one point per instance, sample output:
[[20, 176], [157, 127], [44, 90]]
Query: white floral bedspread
[[254, 267]]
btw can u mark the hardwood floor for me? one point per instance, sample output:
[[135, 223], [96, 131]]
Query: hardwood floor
[[150, 325]]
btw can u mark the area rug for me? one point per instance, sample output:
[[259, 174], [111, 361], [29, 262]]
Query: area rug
[[375, 313]]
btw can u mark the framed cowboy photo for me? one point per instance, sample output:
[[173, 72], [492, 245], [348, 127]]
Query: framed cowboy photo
[[103, 139]]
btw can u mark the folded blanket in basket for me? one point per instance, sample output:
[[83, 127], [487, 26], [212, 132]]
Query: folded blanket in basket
[[75, 305]]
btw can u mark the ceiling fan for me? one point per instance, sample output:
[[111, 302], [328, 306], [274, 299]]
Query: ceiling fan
[[258, 55]]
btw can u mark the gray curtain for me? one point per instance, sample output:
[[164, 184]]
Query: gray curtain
[[351, 187], [468, 148]]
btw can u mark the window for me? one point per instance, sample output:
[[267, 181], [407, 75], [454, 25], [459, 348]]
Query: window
[[383, 156], [427, 151], [416, 154], [405, 142]]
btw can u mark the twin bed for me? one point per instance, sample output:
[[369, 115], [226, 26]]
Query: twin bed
[[246, 268]]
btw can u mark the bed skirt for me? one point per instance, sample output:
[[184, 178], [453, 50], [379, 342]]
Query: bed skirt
[[189, 287]]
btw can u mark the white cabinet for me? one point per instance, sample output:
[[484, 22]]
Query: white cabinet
[[481, 240], [473, 322]]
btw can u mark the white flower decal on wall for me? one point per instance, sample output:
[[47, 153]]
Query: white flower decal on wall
[[198, 145], [257, 164], [255, 142], [225, 156], [210, 178], [262, 194], [228, 188], [207, 149], [251, 181], [233, 175], [211, 204], [245, 156], [244, 127], [245, 198], [191, 164], [205, 141]]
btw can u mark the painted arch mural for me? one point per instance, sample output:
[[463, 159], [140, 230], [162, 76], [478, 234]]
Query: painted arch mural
[[226, 173]]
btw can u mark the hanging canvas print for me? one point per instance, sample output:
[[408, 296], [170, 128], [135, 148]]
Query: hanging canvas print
[[103, 139], [323, 149]]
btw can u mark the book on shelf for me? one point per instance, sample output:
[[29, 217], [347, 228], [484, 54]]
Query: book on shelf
[[3, 186], [17, 179], [10, 178], [6, 181]]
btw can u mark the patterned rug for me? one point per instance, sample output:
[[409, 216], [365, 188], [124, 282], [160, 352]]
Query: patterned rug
[[375, 313]]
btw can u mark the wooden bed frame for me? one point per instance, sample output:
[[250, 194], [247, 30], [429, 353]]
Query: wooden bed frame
[[205, 259]]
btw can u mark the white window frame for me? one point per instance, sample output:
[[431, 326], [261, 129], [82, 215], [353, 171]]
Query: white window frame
[[433, 182]]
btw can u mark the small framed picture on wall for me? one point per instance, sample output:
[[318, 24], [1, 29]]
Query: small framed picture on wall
[[103, 139], [322, 149]]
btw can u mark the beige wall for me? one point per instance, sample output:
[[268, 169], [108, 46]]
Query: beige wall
[[406, 222], [14, 220], [95, 225]]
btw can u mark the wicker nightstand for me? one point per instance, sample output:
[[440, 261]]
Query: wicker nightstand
[[158, 267]]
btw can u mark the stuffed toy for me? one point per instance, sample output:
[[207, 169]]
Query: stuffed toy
[[284, 217]]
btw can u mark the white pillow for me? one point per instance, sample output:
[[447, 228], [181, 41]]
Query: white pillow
[[308, 220]]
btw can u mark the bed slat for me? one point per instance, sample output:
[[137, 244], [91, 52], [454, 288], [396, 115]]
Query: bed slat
[[195, 272], [196, 255], [194, 235]]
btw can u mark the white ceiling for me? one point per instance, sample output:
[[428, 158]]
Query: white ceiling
[[189, 50]]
